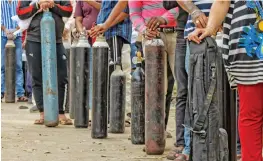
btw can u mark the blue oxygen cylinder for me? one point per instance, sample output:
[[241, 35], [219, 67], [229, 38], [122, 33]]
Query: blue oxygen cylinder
[[49, 69]]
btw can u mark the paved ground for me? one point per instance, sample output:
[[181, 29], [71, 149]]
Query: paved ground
[[23, 141]]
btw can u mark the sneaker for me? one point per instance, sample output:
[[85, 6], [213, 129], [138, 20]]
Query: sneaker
[[34, 109]]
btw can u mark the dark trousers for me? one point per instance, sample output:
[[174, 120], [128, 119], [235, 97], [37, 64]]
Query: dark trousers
[[35, 68], [182, 83]]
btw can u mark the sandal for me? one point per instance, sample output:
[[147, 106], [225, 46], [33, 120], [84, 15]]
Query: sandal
[[22, 99], [174, 152], [65, 122], [39, 122], [181, 157]]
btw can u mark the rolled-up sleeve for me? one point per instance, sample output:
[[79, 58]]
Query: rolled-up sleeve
[[171, 15]]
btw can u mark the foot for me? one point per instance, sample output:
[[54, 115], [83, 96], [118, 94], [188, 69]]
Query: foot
[[182, 157], [41, 120], [174, 152], [33, 109], [22, 99], [239, 158], [63, 120]]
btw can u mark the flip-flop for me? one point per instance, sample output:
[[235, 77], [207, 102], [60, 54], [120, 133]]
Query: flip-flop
[[65, 122], [39, 122], [22, 99], [180, 157]]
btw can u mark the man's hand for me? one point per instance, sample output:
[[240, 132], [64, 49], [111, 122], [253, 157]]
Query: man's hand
[[149, 34], [45, 4], [155, 22], [9, 34], [199, 34], [97, 30], [199, 19]]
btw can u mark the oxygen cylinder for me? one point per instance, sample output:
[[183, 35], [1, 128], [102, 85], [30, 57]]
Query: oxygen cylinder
[[100, 54], [117, 99], [81, 93], [138, 103], [72, 78], [49, 69], [66, 44], [90, 80], [10, 72], [154, 97]]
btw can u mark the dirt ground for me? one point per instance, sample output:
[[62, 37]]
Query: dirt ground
[[23, 141]]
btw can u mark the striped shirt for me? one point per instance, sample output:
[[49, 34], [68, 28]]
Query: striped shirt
[[122, 29], [241, 68], [142, 11], [7, 11], [204, 6]]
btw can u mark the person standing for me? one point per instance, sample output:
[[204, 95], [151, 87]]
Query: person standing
[[146, 17], [8, 27], [86, 14], [243, 31], [58, 9]]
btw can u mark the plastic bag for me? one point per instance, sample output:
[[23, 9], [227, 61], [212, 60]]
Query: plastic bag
[[23, 24]]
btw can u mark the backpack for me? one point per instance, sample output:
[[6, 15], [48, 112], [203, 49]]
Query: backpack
[[209, 142]]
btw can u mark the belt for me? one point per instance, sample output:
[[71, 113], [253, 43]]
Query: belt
[[167, 29]]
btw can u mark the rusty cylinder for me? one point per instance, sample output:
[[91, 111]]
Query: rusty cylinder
[[10, 72], [154, 97], [117, 100], [138, 103], [100, 51]]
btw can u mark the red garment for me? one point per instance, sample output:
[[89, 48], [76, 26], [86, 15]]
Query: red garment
[[251, 121], [23, 36]]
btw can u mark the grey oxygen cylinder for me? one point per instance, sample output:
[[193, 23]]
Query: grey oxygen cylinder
[[138, 103], [72, 78], [81, 93], [117, 100], [10, 72], [100, 50]]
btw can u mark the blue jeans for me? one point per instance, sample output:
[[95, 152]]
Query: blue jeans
[[187, 140], [132, 55], [19, 71]]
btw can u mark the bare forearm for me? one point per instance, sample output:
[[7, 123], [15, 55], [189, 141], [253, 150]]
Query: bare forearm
[[94, 4], [218, 13], [120, 18], [116, 12], [79, 25], [188, 5]]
